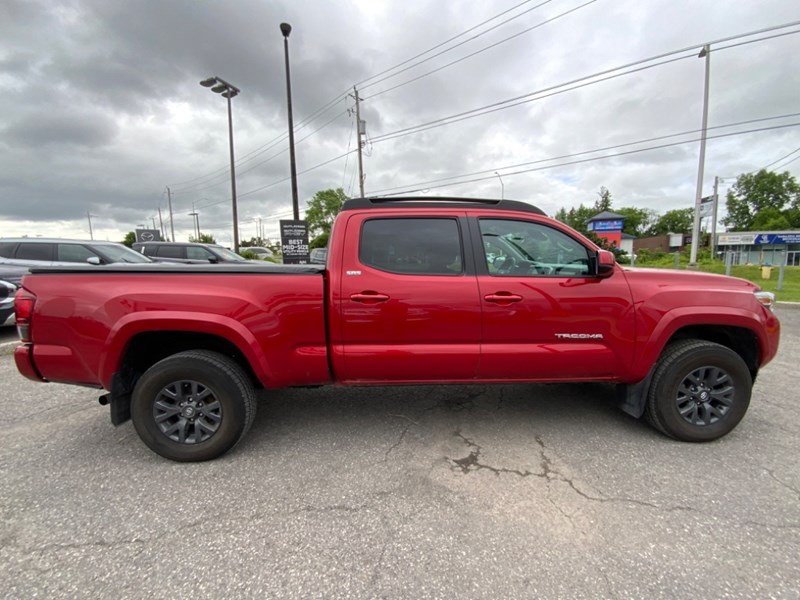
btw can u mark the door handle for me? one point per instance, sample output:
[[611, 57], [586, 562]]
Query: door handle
[[369, 297], [502, 298]]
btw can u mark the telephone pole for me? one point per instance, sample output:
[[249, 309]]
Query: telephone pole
[[714, 217], [89, 216], [161, 222], [171, 220], [360, 127]]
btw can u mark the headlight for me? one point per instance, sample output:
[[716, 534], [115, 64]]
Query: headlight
[[766, 298]]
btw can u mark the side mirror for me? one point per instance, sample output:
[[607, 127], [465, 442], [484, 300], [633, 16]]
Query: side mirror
[[605, 263], [93, 260]]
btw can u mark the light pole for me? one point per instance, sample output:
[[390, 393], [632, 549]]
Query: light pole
[[704, 53], [220, 86], [286, 29], [502, 187]]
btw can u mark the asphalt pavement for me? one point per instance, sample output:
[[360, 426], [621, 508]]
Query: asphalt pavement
[[519, 491]]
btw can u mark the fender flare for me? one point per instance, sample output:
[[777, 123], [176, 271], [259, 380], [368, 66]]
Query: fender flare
[[133, 324]]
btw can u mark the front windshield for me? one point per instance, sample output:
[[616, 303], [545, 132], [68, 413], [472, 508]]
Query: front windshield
[[228, 254], [122, 254]]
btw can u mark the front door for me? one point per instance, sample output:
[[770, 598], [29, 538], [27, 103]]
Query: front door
[[545, 316]]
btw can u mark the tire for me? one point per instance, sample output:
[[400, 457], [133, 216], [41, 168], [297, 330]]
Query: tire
[[193, 406], [700, 391]]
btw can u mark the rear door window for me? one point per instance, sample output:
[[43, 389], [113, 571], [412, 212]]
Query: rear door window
[[412, 246], [170, 251]]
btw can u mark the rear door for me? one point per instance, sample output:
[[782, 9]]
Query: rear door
[[545, 315], [408, 308]]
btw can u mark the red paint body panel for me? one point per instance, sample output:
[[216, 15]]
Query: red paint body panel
[[83, 323]]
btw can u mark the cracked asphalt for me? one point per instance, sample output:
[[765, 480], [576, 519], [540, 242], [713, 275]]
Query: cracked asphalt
[[520, 491]]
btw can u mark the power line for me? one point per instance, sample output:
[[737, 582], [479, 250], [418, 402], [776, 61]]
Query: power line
[[504, 40], [556, 89], [486, 177], [795, 151], [359, 84]]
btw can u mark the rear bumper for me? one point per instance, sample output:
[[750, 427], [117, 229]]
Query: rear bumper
[[23, 356]]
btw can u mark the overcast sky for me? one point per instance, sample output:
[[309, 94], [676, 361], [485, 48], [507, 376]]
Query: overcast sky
[[101, 107]]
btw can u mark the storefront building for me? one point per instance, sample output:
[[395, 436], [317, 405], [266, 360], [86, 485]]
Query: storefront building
[[767, 248]]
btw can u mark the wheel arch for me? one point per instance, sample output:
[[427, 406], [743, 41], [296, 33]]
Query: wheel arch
[[632, 397], [138, 342]]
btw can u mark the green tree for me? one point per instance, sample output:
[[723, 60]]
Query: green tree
[[754, 193], [323, 208], [205, 238], [679, 220], [577, 218], [638, 221], [130, 238], [321, 241], [604, 202]]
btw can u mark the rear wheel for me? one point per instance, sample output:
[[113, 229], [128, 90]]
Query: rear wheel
[[700, 391], [193, 406]]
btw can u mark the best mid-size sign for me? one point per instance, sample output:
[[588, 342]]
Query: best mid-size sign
[[294, 242]]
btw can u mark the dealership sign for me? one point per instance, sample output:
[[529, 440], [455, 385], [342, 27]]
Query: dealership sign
[[758, 239], [294, 242]]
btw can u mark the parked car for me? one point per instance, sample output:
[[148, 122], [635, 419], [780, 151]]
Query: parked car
[[7, 291], [318, 256], [187, 252], [258, 250], [10, 278], [43, 252]]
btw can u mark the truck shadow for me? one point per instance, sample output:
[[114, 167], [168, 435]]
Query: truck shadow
[[378, 411]]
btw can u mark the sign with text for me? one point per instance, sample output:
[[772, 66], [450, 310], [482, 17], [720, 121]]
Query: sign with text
[[759, 239], [606, 225], [294, 242]]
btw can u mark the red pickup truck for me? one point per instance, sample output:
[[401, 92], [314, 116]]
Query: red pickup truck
[[414, 292]]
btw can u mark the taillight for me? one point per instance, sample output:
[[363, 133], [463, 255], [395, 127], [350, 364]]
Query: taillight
[[23, 309]]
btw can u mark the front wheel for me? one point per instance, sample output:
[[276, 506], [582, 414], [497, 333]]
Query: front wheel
[[193, 406], [700, 391]]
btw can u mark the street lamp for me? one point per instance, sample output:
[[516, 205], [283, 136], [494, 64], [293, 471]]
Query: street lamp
[[502, 187], [704, 53], [286, 29], [220, 86]]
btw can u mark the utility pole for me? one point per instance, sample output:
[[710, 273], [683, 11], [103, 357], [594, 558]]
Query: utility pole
[[89, 216], [171, 220], [161, 221], [153, 219], [705, 53], [360, 127], [714, 218]]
